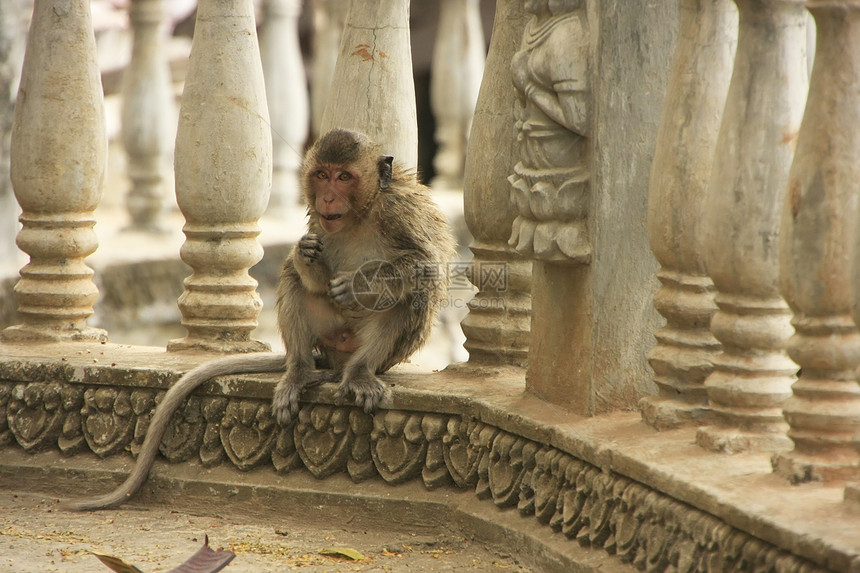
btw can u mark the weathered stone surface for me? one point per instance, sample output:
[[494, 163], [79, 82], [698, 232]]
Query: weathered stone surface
[[653, 499], [497, 326], [374, 92], [58, 155], [816, 252], [752, 376], [680, 174], [222, 189]]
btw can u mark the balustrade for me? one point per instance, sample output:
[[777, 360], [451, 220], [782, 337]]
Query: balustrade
[[147, 115], [817, 239], [223, 165], [752, 376], [497, 326], [58, 154], [680, 172], [457, 68], [287, 96]]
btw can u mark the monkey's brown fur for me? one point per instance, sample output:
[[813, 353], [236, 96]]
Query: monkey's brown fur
[[386, 226], [385, 222]]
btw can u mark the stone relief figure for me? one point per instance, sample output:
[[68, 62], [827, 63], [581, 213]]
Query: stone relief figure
[[550, 182]]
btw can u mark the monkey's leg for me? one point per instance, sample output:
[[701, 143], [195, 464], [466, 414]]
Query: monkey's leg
[[378, 340]]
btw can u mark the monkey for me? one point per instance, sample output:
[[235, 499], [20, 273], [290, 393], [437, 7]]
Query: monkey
[[371, 225], [357, 294]]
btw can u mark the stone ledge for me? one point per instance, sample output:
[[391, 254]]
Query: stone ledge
[[607, 481]]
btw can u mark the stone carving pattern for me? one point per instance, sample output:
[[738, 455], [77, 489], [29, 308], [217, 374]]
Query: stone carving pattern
[[211, 452], [550, 183], [398, 446], [71, 439], [34, 415], [108, 419], [597, 508], [142, 404], [248, 432], [183, 437]]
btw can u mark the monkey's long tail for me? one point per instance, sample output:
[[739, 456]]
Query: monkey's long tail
[[239, 364]]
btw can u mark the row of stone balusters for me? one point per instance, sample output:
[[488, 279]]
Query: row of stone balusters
[[222, 190], [753, 217]]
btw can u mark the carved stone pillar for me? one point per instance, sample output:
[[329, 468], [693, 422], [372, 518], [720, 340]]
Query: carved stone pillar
[[457, 67], [497, 326], [816, 251], [59, 147], [680, 172], [373, 90], [329, 19], [287, 94], [12, 39], [580, 193], [223, 165], [147, 113], [753, 375]]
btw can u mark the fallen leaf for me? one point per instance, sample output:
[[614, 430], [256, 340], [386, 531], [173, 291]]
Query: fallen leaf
[[347, 552], [116, 564]]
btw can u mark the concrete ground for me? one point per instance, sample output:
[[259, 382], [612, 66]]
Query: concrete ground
[[37, 537]]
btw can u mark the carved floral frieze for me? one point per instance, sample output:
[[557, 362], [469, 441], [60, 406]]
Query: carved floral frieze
[[595, 507]]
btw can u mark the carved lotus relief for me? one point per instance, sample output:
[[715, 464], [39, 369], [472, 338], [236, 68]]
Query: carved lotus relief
[[463, 446], [324, 439], [511, 460], [435, 472], [398, 446], [247, 432], [71, 439], [211, 451], [184, 433], [34, 415], [108, 420]]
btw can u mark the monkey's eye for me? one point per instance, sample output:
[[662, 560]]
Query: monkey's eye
[[344, 176], [320, 174]]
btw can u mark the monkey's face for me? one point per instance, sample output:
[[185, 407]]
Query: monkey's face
[[335, 189]]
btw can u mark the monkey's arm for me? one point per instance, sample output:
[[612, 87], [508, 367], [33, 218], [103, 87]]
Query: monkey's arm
[[241, 364], [307, 259]]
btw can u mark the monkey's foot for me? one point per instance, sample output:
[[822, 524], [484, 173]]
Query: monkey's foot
[[368, 392], [285, 402]]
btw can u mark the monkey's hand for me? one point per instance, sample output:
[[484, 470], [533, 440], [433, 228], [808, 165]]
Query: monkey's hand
[[341, 290], [310, 247]]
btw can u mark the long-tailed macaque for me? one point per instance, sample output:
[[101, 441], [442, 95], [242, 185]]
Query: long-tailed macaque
[[357, 294]]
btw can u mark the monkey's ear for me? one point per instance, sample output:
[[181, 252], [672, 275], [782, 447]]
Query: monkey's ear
[[385, 171]]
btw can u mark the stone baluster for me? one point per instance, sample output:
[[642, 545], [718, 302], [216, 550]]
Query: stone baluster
[[287, 94], [816, 248], [147, 115], [223, 166], [457, 68], [497, 326], [683, 156], [59, 147], [373, 90], [12, 39], [329, 20], [752, 376]]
